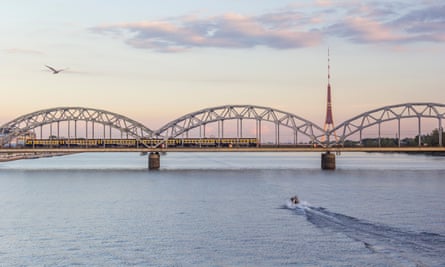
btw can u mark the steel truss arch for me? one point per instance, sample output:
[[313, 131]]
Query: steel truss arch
[[389, 113], [241, 112], [25, 123]]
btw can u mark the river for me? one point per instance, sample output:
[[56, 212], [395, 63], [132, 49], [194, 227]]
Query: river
[[223, 209]]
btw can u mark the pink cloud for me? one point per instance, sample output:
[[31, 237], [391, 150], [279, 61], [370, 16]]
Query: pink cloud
[[323, 3], [391, 23], [297, 25], [371, 31], [230, 30]]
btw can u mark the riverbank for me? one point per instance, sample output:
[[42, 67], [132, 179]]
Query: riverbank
[[19, 156]]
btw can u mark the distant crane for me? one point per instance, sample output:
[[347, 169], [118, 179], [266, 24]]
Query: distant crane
[[55, 71]]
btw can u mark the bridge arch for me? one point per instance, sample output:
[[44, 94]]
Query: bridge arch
[[31, 121], [390, 113], [239, 113]]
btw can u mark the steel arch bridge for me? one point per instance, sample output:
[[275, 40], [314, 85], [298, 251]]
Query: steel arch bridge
[[239, 113], [391, 113], [31, 121]]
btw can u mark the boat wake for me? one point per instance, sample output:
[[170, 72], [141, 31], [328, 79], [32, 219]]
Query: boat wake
[[398, 246]]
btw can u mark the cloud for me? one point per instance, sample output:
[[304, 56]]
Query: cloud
[[278, 30], [296, 26], [391, 23], [424, 24], [362, 30]]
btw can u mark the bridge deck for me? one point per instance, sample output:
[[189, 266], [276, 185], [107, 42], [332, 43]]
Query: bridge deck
[[225, 149]]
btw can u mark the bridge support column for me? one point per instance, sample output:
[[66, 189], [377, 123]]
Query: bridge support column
[[154, 161], [328, 161]]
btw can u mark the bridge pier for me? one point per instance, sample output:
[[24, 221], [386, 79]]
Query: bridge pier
[[328, 161], [154, 161]]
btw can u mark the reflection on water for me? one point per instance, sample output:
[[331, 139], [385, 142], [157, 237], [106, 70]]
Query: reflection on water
[[223, 209]]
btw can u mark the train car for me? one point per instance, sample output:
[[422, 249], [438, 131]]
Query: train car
[[216, 142], [42, 143], [132, 143]]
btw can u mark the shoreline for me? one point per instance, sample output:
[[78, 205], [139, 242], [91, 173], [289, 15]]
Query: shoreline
[[20, 156]]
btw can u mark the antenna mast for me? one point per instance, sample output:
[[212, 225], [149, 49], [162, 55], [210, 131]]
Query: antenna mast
[[329, 68]]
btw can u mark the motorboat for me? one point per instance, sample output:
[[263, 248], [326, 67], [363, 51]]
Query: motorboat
[[294, 200]]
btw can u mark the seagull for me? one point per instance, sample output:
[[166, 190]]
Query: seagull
[[54, 70]]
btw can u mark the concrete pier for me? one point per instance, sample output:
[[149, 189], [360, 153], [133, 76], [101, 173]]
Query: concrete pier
[[154, 161], [328, 161]]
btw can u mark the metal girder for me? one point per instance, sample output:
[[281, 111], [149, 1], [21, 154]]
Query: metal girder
[[25, 123], [389, 113], [241, 112], [315, 133]]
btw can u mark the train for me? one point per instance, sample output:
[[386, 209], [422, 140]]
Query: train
[[134, 143]]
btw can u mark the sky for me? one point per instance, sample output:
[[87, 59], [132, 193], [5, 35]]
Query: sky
[[154, 61]]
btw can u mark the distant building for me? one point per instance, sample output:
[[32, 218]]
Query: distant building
[[16, 141]]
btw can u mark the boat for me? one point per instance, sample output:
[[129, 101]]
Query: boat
[[294, 200]]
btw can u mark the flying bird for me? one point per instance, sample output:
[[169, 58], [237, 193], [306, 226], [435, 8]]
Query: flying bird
[[55, 71]]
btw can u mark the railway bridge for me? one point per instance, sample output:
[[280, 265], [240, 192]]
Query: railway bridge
[[228, 128]]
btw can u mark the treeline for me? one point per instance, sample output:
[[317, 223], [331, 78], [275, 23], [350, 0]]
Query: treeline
[[431, 139]]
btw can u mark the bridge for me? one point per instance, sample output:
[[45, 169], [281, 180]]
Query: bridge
[[228, 128]]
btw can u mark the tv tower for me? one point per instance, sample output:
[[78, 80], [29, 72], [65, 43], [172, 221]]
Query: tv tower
[[329, 122]]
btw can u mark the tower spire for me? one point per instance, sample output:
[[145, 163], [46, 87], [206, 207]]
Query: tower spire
[[329, 121], [329, 69]]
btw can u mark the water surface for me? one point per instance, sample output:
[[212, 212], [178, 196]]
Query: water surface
[[223, 209]]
